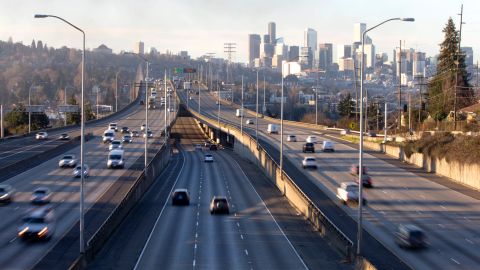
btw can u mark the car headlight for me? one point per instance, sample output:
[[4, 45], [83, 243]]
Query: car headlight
[[43, 232], [4, 196], [22, 232]]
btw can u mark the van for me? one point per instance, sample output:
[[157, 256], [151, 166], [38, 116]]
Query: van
[[115, 159], [272, 128], [113, 126], [328, 146], [239, 113], [108, 136]]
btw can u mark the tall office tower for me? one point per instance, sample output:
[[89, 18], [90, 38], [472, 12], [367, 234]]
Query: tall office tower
[[272, 32], [400, 57], [369, 52], [266, 39], [468, 51], [306, 57], [347, 51], [325, 55], [293, 54], [310, 40], [358, 29], [281, 49], [253, 48], [418, 64], [266, 50], [139, 48]]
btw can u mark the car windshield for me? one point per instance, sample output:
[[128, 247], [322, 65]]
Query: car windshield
[[115, 157], [2, 190], [40, 192], [310, 159], [115, 143], [309, 144], [34, 220], [67, 157], [352, 188], [416, 234], [127, 137], [109, 134], [208, 156]]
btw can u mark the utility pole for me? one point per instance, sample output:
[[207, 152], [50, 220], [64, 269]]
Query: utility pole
[[256, 114], [409, 112], [385, 124], [400, 88], [457, 62], [229, 49], [356, 91], [1, 121], [378, 116], [264, 107]]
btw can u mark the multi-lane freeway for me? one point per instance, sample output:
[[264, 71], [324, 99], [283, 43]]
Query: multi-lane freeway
[[17, 254], [449, 218]]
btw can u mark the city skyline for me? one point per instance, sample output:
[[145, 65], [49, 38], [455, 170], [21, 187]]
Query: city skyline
[[184, 26]]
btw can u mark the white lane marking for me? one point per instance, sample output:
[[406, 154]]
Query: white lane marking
[[195, 245], [270, 213], [246, 252], [197, 223], [455, 261], [161, 211], [196, 235], [241, 236], [13, 240], [443, 207], [441, 225], [384, 191], [194, 263], [419, 212], [469, 241]]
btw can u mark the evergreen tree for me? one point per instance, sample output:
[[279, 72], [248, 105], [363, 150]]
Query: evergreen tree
[[73, 118], [441, 89], [346, 105]]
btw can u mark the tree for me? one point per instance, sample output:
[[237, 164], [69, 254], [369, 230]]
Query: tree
[[17, 117], [73, 118], [345, 106], [452, 77]]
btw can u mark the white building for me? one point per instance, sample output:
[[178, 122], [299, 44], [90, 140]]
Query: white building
[[310, 40], [358, 29], [290, 68], [369, 52]]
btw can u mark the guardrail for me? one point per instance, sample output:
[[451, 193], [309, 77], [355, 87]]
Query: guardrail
[[285, 184]]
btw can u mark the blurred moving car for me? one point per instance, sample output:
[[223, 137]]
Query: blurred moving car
[[366, 180], [355, 168], [64, 137], [207, 144], [410, 236], [249, 122], [311, 139], [108, 135], [134, 133], [219, 205], [113, 126], [208, 158], [78, 169], [142, 127], [348, 192], [291, 138], [149, 134], [180, 196], [6, 193], [116, 144], [41, 135], [38, 225], [41, 195], [328, 146], [125, 130], [127, 139], [213, 147], [345, 131], [308, 147], [115, 159], [309, 162], [67, 160]]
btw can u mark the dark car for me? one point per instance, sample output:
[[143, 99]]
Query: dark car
[[410, 236], [41, 195], [366, 180], [309, 147], [180, 197], [142, 102], [354, 169], [219, 205], [6, 193], [371, 134], [38, 225], [213, 147], [125, 130]]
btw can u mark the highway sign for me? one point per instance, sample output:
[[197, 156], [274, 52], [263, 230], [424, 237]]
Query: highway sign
[[68, 108], [177, 70], [35, 108], [352, 125], [189, 70]]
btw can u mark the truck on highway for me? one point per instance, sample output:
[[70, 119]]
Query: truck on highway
[[272, 128], [151, 103], [187, 85], [239, 113]]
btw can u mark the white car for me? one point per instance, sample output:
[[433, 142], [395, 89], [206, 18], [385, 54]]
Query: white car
[[348, 191], [291, 138], [41, 195], [127, 139], [328, 146], [149, 134], [116, 159], [142, 128], [116, 144], [344, 132], [208, 158], [113, 126], [309, 162], [67, 161], [41, 135], [77, 171], [311, 139], [108, 136], [249, 122]]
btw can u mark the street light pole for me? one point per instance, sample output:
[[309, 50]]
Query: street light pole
[[281, 130], [264, 107], [82, 132], [256, 114], [316, 106], [29, 111], [116, 91], [165, 107], [360, 152]]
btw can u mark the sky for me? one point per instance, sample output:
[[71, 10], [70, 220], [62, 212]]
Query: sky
[[203, 26]]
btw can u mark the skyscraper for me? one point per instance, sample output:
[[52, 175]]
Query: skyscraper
[[310, 40], [293, 54], [272, 32], [266, 39], [358, 29], [139, 48], [253, 48], [325, 55]]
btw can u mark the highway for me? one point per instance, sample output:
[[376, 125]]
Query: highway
[[449, 218], [17, 254]]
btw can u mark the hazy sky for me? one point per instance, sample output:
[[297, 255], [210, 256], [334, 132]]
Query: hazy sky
[[201, 26]]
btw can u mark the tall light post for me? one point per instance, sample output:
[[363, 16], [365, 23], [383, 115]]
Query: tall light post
[[316, 107], [360, 151], [165, 107], [116, 90], [29, 110], [256, 114], [82, 132], [281, 130], [264, 107]]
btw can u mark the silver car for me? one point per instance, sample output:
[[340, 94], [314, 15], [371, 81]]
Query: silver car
[[41, 195], [67, 161], [116, 144], [127, 139], [6, 193], [78, 169], [41, 135]]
